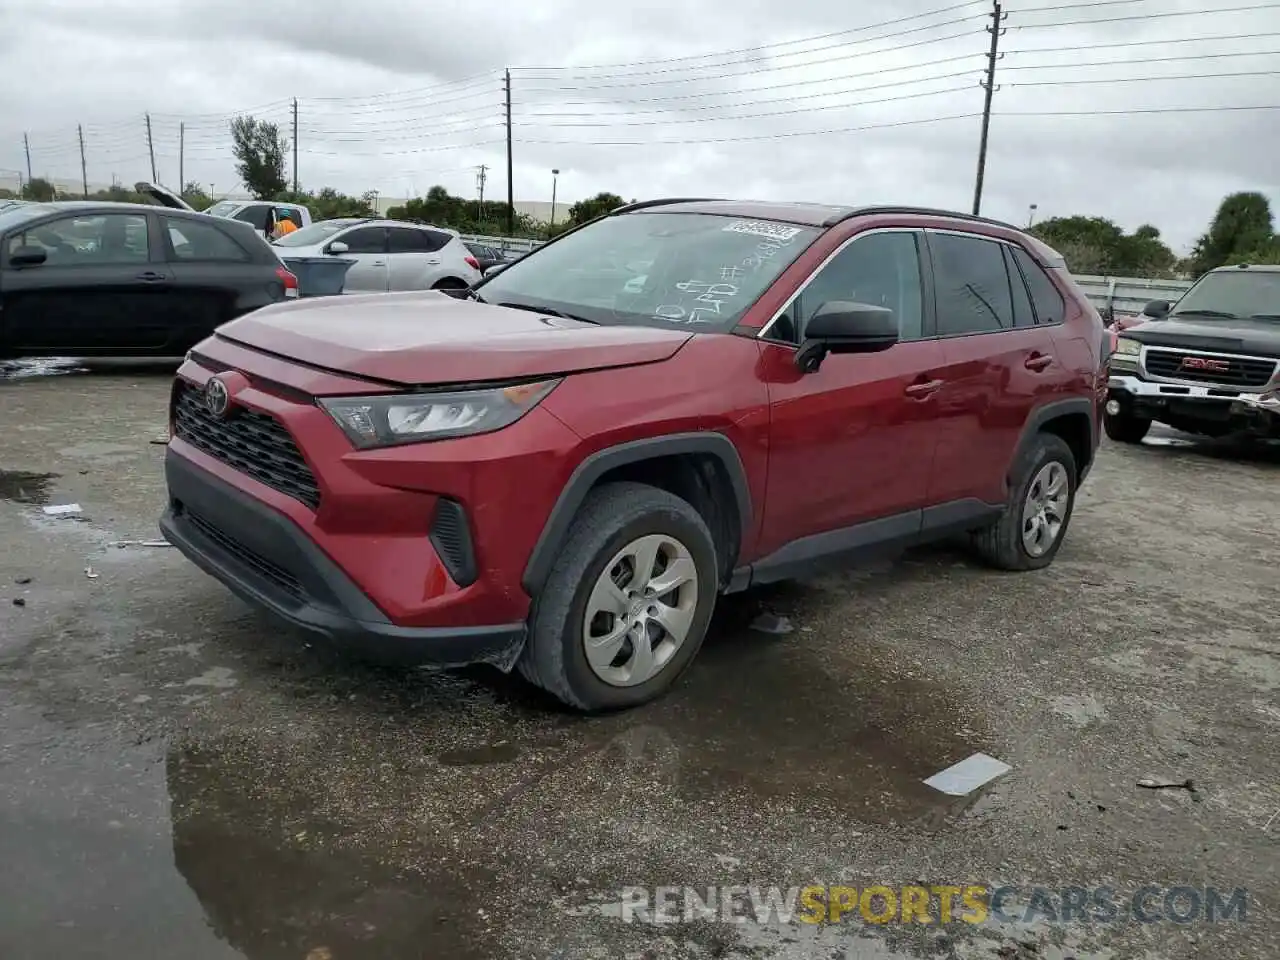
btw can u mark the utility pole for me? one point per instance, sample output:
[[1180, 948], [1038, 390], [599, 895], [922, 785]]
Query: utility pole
[[481, 176], [26, 145], [511, 194], [151, 149], [295, 144], [84, 169], [182, 156], [989, 84]]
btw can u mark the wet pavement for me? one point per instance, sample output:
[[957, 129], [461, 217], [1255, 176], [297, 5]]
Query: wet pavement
[[181, 778]]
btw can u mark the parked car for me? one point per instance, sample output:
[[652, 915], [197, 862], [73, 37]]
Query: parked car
[[557, 475], [390, 255], [486, 255], [91, 279], [256, 213], [1207, 364]]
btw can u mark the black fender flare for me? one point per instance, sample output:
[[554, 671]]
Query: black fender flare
[[596, 465], [1058, 408]]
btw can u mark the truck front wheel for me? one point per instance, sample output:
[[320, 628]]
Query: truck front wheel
[[1125, 428]]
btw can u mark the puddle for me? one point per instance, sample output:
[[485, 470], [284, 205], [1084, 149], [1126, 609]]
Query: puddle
[[26, 369], [19, 486]]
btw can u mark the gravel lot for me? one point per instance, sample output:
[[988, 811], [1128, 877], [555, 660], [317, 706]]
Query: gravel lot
[[180, 778]]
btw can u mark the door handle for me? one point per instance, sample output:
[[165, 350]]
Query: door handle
[[433, 262], [922, 391], [379, 263], [150, 276], [1037, 362]]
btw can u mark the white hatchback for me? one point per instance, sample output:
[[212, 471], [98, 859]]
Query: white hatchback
[[389, 255]]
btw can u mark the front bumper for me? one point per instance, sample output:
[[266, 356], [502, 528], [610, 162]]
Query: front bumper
[[265, 559], [1148, 390]]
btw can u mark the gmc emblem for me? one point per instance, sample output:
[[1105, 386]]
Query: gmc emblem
[[1206, 363]]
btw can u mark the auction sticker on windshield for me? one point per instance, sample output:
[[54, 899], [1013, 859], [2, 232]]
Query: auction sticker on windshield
[[763, 228]]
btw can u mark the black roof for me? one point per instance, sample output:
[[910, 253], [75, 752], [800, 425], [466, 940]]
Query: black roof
[[801, 214], [32, 210]]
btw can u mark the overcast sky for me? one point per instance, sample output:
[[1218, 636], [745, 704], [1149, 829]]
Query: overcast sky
[[397, 95]]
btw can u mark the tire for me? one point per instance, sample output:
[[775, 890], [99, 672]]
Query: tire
[[1002, 544], [612, 520], [450, 283], [1124, 428]]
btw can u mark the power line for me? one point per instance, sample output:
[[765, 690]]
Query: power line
[[1136, 111], [1141, 43], [1144, 16], [1185, 76], [892, 85], [1075, 65]]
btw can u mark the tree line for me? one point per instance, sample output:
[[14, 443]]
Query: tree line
[[1242, 231]]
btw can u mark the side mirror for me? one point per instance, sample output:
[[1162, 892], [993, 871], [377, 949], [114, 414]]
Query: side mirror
[[494, 270], [337, 247], [28, 257], [1157, 309], [843, 326]]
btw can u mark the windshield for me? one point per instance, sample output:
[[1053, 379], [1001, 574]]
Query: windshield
[[654, 269], [1232, 295], [316, 233], [223, 209]]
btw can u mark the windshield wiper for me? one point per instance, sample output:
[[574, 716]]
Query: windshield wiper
[[1204, 313], [546, 311]]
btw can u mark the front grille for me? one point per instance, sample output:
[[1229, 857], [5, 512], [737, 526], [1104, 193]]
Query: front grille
[[1240, 372], [272, 572], [254, 443]]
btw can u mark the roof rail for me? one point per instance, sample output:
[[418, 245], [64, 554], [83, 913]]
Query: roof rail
[[644, 204], [849, 214]]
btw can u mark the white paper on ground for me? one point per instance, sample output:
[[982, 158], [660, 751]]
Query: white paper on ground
[[968, 775], [61, 508]]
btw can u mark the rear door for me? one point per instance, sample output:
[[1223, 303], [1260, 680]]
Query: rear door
[[98, 293], [417, 258], [367, 246], [217, 277], [999, 364]]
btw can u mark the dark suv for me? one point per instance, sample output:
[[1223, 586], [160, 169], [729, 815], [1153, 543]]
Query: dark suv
[[680, 399], [1208, 364]]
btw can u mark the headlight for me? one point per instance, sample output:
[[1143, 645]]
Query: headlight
[[391, 419], [1127, 347]]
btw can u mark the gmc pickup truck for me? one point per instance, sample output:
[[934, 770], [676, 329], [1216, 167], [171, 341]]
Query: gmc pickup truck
[[1207, 364]]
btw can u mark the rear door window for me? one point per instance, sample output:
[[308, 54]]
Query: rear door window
[[408, 240], [257, 215], [195, 241], [971, 285]]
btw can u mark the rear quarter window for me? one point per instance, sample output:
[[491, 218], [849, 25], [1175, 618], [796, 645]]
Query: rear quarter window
[[1045, 296]]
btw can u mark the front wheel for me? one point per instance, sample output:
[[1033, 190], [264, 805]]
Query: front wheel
[[1042, 495], [1125, 428], [625, 608]]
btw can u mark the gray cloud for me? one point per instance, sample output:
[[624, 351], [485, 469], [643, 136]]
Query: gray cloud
[[398, 95]]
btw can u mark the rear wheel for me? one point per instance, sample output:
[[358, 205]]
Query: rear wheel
[[450, 283], [1125, 428], [1042, 495], [626, 607]]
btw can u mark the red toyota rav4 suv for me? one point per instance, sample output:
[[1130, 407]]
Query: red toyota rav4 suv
[[563, 468]]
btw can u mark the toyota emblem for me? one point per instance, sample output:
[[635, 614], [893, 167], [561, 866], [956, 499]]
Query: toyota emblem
[[216, 398]]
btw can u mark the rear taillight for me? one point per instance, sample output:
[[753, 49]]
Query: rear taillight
[[290, 282], [473, 263]]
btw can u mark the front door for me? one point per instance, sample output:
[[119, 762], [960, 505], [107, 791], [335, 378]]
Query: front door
[[96, 293], [367, 246], [854, 441]]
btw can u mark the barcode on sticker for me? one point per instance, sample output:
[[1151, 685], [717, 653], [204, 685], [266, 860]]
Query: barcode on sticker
[[763, 228]]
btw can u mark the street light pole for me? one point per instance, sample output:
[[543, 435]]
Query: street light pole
[[1031, 216], [555, 175]]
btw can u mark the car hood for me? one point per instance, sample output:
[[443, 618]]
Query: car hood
[[162, 195], [1253, 337], [432, 338]]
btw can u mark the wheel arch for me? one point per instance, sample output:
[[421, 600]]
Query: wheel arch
[[703, 468], [1073, 419]]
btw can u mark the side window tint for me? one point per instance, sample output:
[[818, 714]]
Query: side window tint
[[257, 215], [972, 284], [365, 240], [1023, 315], [102, 240], [881, 269], [1049, 304], [194, 240]]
